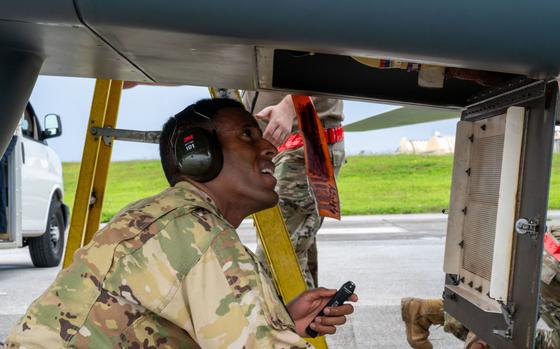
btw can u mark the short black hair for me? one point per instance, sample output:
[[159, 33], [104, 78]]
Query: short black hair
[[200, 114]]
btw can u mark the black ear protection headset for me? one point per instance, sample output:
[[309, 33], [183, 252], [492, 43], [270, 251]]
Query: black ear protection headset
[[197, 151]]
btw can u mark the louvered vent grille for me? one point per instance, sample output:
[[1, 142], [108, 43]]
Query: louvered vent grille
[[483, 193]]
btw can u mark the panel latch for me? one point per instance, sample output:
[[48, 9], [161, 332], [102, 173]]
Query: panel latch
[[524, 226]]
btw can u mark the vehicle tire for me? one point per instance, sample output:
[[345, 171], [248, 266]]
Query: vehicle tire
[[47, 250]]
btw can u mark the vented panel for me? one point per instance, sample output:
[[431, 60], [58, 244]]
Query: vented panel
[[478, 238], [480, 221], [482, 210], [483, 193], [486, 168]]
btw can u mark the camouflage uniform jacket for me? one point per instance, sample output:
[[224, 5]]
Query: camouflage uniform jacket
[[167, 272]]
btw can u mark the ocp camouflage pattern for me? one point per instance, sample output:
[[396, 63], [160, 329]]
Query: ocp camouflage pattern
[[167, 272], [456, 328]]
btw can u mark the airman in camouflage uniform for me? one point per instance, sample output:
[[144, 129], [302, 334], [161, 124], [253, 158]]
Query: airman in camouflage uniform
[[296, 199], [151, 276], [298, 205], [170, 271], [419, 314]]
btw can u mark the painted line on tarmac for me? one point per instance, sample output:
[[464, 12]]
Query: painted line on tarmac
[[361, 230]]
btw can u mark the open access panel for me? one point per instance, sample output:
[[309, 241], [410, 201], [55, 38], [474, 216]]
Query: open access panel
[[497, 214]]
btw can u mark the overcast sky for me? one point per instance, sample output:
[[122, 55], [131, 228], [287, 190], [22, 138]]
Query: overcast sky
[[147, 108]]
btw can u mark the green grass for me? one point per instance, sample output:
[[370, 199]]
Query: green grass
[[128, 181], [394, 184], [367, 184]]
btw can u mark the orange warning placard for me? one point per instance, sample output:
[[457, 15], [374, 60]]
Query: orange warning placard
[[317, 158]]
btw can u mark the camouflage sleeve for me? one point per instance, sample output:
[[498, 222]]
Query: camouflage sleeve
[[232, 303], [329, 108]]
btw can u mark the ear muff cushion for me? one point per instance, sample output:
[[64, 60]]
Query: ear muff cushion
[[198, 153]]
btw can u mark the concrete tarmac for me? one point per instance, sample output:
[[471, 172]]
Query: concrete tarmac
[[388, 257]]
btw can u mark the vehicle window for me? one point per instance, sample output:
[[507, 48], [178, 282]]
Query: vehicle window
[[29, 126], [25, 127]]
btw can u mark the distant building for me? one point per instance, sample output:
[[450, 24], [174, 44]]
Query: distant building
[[439, 145], [557, 140], [436, 145]]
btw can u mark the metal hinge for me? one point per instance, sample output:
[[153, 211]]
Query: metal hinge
[[524, 226], [507, 311]]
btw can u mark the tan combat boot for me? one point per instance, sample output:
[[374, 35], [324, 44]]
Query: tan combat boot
[[418, 315]]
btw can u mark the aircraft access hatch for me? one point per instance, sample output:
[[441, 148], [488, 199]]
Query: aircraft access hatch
[[497, 215]]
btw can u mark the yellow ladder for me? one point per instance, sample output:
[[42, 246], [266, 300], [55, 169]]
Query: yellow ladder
[[90, 189]]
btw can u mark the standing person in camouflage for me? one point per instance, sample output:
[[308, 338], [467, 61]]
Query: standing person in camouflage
[[277, 118], [420, 314], [169, 271], [549, 305]]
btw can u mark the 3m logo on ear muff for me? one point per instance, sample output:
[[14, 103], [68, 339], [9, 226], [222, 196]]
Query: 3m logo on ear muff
[[188, 142]]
